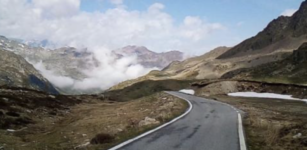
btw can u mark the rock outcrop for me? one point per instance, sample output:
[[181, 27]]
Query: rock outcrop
[[148, 121]]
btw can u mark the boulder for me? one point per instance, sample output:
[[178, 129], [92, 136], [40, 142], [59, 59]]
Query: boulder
[[148, 121]]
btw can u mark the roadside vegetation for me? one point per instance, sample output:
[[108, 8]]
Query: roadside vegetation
[[272, 124], [80, 122]]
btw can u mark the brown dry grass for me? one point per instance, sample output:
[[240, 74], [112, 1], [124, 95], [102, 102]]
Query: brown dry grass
[[84, 121], [270, 124]]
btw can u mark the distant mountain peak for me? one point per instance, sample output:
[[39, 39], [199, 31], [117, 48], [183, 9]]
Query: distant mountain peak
[[133, 49], [150, 58], [303, 6]]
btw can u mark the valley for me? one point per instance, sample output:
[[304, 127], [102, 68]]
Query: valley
[[122, 84]]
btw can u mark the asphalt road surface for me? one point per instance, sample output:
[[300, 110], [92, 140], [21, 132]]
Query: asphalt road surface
[[209, 126]]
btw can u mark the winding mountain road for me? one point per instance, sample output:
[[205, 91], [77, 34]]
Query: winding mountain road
[[210, 125]]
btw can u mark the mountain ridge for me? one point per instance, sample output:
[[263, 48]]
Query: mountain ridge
[[148, 58], [275, 43], [72, 63], [282, 33]]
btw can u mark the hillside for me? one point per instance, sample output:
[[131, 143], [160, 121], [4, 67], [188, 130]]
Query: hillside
[[276, 42], [205, 67], [15, 71], [146, 88], [290, 70]]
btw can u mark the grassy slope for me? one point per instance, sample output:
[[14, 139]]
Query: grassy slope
[[146, 88], [284, 71]]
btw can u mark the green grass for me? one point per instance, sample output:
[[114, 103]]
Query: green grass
[[146, 88], [284, 71]]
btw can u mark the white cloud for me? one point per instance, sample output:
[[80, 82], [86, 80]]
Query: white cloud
[[288, 12], [56, 8], [194, 28], [64, 24], [110, 71], [58, 81], [156, 8], [117, 2]]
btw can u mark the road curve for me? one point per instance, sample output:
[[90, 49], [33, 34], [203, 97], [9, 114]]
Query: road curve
[[209, 126]]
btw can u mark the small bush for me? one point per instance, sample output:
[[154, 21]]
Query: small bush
[[102, 138]]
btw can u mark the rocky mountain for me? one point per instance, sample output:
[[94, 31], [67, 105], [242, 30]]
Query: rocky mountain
[[35, 43], [149, 58], [62, 62], [283, 33], [66, 61], [15, 71], [276, 42], [290, 70], [72, 63], [206, 67]]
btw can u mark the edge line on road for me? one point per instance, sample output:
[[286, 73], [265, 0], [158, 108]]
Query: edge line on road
[[242, 141], [156, 129], [241, 133]]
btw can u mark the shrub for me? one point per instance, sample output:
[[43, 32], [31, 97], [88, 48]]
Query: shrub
[[102, 138]]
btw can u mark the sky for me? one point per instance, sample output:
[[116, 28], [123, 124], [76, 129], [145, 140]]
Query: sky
[[194, 27]]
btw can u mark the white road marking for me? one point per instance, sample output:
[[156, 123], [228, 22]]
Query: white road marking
[[241, 133], [240, 127], [156, 129]]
